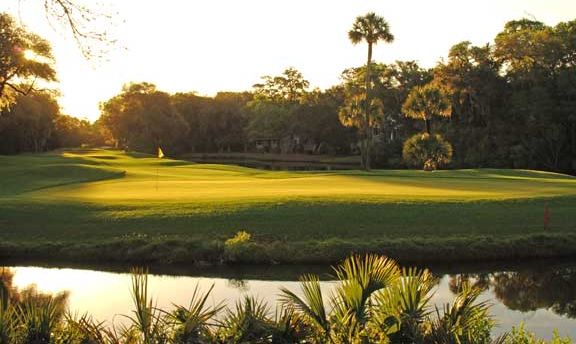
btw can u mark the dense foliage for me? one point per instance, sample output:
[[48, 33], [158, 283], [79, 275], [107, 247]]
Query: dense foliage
[[427, 151], [374, 301], [24, 58]]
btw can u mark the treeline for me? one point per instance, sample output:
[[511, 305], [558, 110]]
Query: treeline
[[271, 119], [33, 123], [507, 105], [511, 104]]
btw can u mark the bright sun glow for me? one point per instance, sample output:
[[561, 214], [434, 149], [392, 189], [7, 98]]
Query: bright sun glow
[[208, 46], [30, 55]]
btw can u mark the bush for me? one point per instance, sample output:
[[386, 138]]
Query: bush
[[519, 335], [428, 151], [241, 237], [240, 248]]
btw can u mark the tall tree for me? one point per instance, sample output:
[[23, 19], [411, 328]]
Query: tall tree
[[24, 58], [372, 29]]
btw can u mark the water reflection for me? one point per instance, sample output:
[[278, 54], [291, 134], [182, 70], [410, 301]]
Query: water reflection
[[544, 298], [527, 291]]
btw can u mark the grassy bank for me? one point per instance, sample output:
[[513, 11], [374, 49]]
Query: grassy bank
[[98, 205]]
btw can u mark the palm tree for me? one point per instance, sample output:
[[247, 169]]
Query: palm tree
[[353, 114], [370, 28], [425, 102]]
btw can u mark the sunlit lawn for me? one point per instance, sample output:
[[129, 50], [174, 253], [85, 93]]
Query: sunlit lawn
[[96, 194], [93, 193]]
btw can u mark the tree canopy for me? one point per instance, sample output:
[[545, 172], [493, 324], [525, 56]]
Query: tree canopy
[[141, 117], [24, 58], [426, 102], [288, 87]]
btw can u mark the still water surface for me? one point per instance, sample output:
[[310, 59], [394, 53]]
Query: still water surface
[[543, 295]]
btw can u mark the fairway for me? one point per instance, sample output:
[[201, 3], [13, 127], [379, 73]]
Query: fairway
[[91, 197]]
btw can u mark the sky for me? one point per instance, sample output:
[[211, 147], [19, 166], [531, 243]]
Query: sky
[[208, 46]]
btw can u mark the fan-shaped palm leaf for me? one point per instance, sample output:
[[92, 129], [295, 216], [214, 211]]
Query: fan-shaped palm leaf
[[311, 305], [402, 308], [248, 323], [192, 322], [359, 278]]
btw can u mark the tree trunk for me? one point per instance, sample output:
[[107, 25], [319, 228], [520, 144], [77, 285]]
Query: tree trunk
[[367, 127], [428, 126]]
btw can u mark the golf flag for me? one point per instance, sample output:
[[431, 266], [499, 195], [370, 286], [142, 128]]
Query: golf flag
[[160, 153]]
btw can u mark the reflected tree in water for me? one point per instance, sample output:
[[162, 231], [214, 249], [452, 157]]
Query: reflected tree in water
[[529, 291], [480, 281], [526, 291]]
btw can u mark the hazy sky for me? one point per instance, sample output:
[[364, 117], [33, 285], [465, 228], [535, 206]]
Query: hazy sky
[[227, 45]]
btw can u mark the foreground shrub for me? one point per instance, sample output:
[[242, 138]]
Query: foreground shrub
[[519, 335], [375, 301], [240, 248], [427, 151]]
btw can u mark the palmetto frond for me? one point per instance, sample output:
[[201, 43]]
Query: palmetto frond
[[425, 102], [311, 305], [192, 322], [353, 112], [370, 28], [39, 319], [372, 272], [290, 327], [465, 320], [7, 322], [248, 323], [147, 319], [402, 308], [359, 278]]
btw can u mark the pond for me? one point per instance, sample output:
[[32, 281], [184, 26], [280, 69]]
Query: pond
[[542, 295]]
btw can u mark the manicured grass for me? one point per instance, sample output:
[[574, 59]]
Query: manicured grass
[[99, 205]]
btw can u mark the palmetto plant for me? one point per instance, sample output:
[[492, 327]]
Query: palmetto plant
[[192, 323], [463, 321], [310, 307], [38, 320], [249, 322], [351, 304], [147, 318], [427, 151], [360, 278], [7, 323], [289, 327], [402, 309], [376, 301], [426, 102], [86, 330]]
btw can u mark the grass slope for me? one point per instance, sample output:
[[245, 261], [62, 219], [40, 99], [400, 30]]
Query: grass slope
[[108, 205]]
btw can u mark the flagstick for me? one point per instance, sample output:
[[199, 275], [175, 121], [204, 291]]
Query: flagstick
[[160, 156]]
